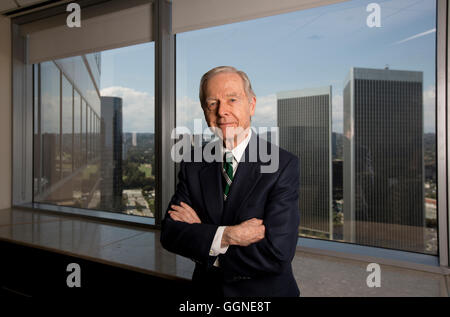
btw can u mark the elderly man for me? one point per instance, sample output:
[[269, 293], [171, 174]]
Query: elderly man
[[238, 224]]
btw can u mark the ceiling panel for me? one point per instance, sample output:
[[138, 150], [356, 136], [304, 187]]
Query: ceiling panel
[[24, 3], [7, 5]]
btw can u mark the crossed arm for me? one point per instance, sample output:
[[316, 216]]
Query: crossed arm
[[255, 246], [243, 234]]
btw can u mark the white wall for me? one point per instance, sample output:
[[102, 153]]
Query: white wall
[[5, 113]]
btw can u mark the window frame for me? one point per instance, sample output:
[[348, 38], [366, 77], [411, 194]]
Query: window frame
[[23, 118]]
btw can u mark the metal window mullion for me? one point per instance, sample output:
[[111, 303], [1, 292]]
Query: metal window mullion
[[73, 129], [80, 138], [60, 124], [164, 105], [39, 131], [22, 119], [441, 94], [448, 133], [86, 134]]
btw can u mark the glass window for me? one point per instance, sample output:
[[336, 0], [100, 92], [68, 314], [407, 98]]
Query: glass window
[[128, 128], [358, 114], [107, 156]]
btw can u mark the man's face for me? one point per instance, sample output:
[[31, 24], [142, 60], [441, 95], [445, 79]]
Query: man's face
[[227, 106]]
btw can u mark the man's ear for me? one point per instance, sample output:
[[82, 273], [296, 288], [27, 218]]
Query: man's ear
[[252, 105]]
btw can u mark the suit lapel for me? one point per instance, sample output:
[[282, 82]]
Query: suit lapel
[[211, 185], [245, 179]]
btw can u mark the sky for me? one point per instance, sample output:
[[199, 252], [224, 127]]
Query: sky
[[297, 50]]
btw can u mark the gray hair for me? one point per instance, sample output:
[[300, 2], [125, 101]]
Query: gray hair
[[225, 69]]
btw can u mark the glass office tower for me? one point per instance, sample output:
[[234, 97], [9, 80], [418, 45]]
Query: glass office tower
[[111, 154], [304, 121], [383, 158]]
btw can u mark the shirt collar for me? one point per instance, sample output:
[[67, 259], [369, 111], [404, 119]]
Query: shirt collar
[[239, 150]]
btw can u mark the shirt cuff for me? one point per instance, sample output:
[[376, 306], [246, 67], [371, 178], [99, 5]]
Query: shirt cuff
[[216, 248]]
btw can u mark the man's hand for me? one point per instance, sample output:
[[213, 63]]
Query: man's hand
[[244, 234], [184, 213]]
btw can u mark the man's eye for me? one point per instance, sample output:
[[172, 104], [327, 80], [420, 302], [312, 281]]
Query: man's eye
[[211, 104], [233, 99]]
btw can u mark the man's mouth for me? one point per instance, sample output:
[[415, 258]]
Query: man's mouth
[[226, 124]]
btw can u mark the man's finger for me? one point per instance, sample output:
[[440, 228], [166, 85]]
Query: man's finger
[[183, 211], [181, 216], [177, 208], [184, 216], [183, 204], [190, 210], [255, 222], [174, 216]]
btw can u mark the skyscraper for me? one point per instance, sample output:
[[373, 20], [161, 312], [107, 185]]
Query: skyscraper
[[111, 154], [304, 121], [383, 158]]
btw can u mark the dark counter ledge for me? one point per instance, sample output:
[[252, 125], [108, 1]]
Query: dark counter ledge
[[37, 246]]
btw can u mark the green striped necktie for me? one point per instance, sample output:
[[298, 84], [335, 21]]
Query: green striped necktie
[[227, 173]]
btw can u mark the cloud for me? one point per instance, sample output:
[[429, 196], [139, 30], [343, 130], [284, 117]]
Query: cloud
[[189, 110], [265, 111], [138, 108], [50, 112]]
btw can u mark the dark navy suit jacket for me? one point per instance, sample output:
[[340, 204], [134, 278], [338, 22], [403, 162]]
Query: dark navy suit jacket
[[260, 269]]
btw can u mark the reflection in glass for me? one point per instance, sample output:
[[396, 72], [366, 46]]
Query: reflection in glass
[[50, 125], [104, 121]]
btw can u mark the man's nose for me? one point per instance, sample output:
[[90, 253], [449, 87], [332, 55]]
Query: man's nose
[[222, 109]]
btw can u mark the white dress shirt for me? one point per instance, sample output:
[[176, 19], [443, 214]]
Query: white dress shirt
[[237, 152]]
